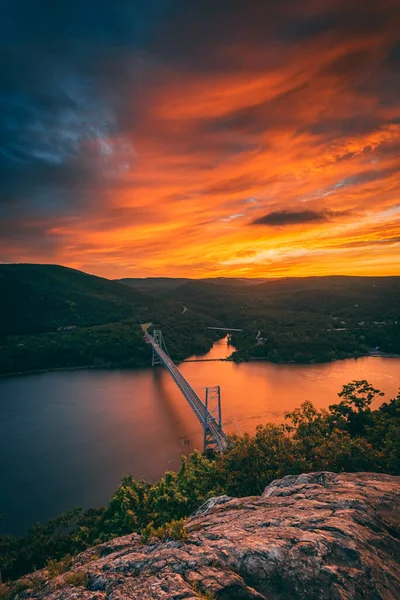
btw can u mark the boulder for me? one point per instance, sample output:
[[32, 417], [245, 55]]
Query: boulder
[[321, 536]]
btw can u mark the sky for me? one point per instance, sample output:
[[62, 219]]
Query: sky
[[201, 138]]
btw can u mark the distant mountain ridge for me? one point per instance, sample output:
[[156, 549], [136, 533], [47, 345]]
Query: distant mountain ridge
[[57, 317], [170, 283], [302, 320]]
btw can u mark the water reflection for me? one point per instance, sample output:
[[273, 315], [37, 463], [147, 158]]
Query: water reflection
[[67, 438]]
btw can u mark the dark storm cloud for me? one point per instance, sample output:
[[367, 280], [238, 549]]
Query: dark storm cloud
[[286, 217], [57, 65], [201, 26]]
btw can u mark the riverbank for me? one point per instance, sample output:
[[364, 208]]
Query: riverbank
[[238, 360], [111, 346], [37, 371], [372, 354]]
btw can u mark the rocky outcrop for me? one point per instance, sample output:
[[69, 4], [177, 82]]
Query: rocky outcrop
[[317, 536]]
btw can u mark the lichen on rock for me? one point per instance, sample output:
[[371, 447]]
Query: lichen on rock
[[318, 536]]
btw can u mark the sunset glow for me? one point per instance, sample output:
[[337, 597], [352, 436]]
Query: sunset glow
[[254, 141]]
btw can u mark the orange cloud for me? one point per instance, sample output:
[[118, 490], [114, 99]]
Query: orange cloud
[[309, 128]]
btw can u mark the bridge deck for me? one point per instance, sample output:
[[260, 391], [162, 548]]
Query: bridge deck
[[225, 328], [193, 399]]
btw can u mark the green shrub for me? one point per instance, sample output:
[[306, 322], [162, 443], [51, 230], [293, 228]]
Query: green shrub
[[76, 579], [57, 567], [174, 530]]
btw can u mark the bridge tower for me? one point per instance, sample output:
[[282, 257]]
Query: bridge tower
[[208, 413], [212, 411], [159, 340]]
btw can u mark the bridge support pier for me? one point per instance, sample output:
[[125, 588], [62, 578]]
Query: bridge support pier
[[212, 412]]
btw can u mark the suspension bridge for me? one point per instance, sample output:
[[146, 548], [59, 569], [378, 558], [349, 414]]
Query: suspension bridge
[[208, 412]]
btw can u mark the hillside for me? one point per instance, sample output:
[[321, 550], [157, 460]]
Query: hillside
[[54, 317], [39, 298], [166, 284], [323, 294], [313, 536], [153, 284], [313, 319]]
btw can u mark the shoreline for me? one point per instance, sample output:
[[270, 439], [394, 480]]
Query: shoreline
[[223, 359], [37, 371], [324, 362]]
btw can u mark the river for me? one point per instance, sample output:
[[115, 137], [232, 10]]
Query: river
[[67, 437]]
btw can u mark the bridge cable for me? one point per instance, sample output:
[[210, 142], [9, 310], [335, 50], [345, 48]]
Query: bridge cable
[[226, 403]]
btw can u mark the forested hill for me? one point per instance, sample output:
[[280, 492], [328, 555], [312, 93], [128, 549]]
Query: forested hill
[[55, 317], [361, 296], [168, 284], [39, 298], [302, 320]]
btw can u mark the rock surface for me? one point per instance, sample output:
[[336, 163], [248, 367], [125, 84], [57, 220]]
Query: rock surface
[[317, 536]]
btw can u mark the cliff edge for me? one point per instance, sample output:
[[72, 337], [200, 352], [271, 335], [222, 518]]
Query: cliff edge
[[315, 536]]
